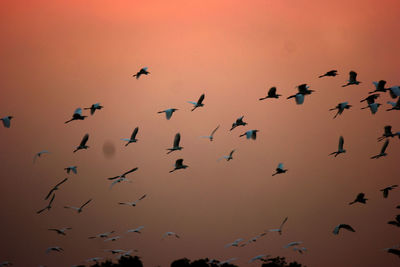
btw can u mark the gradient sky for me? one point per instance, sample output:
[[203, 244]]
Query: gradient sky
[[60, 55]]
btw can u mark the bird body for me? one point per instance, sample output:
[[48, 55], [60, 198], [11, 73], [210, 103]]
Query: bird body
[[39, 154], [175, 146], [235, 243], [239, 122], [7, 121], [199, 102], [48, 207], [83, 145], [77, 115], [386, 190], [211, 137], [170, 234], [251, 134], [331, 73], [179, 165], [352, 79], [58, 249], [94, 107], [395, 105], [379, 86], [133, 204], [136, 230], [142, 71], [360, 199], [396, 222], [55, 188], [168, 112], [60, 231], [279, 230], [71, 168], [229, 157], [279, 169], [271, 94], [340, 147]]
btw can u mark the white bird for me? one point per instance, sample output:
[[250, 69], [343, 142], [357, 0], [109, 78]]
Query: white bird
[[55, 188], [136, 230], [175, 146], [254, 239], [121, 178], [340, 148], [227, 261], [229, 157], [83, 145], [352, 79], [95, 259], [279, 169], [168, 112], [102, 235], [134, 203], [133, 137], [77, 115], [292, 244], [58, 249], [259, 257], [341, 107], [250, 134], [170, 234], [79, 210], [234, 243], [199, 102], [60, 231], [279, 230], [71, 168], [7, 121], [39, 154], [114, 238], [179, 165], [116, 251], [239, 122], [211, 137], [142, 71], [383, 150], [94, 107], [342, 226], [127, 253]]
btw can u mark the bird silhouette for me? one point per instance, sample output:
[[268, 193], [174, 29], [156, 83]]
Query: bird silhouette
[[142, 71], [57, 249], [48, 207], [39, 154], [197, 104], [279, 230], [341, 107], [211, 136], [340, 147], [168, 112], [83, 145], [179, 165], [396, 222], [383, 151], [373, 107], [379, 87], [55, 188], [136, 230], [94, 107], [229, 157], [271, 94], [251, 134], [386, 190], [395, 105], [80, 209], [71, 168], [370, 99], [394, 91], [352, 79], [239, 122], [279, 169], [132, 139], [388, 133], [134, 203], [175, 146], [360, 199], [331, 73], [77, 115], [60, 231], [6, 121], [342, 226]]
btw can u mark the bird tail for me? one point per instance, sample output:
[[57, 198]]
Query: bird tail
[[127, 144], [194, 108], [76, 150]]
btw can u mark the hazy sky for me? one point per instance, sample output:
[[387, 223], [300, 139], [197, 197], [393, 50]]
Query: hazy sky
[[60, 55]]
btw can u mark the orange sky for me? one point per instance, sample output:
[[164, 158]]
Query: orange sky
[[60, 55]]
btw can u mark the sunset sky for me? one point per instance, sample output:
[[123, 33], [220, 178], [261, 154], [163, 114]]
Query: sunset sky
[[57, 56]]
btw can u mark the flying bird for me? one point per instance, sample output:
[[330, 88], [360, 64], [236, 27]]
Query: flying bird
[[254, 239], [39, 154], [239, 122], [250, 134], [331, 73], [229, 157], [379, 87], [199, 102], [360, 199], [48, 207], [301, 250], [142, 71], [58, 249], [102, 235], [279, 230], [124, 174], [170, 234], [77, 115], [133, 137], [340, 148], [228, 261], [71, 168], [79, 210], [387, 189], [395, 105], [341, 107], [383, 149], [370, 99], [259, 257], [234, 243], [292, 244], [175, 146], [55, 188], [60, 231], [94, 107], [168, 112], [394, 91], [279, 169], [7, 121], [179, 165], [302, 92], [211, 137], [352, 79], [271, 94], [83, 145], [342, 226], [388, 133], [136, 230], [133, 204], [114, 238], [373, 107], [396, 222], [95, 259]]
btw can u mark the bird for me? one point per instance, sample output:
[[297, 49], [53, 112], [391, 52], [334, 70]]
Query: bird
[[259, 257], [71, 168], [370, 99], [254, 239], [250, 134], [179, 165], [133, 204], [211, 137], [229, 157], [95, 259], [124, 174], [300, 249], [132, 139], [170, 234], [228, 261], [395, 105], [302, 91], [102, 235], [292, 244], [396, 222], [7, 121], [373, 107], [197, 104], [83, 145], [58, 249], [60, 231], [279, 230], [234, 243], [48, 207], [386, 190], [279, 169], [379, 87], [94, 107], [136, 230], [55, 188], [388, 133], [168, 112], [114, 238], [341, 107], [394, 91], [360, 199], [175, 146], [79, 210], [331, 73], [342, 226], [39, 154], [383, 149], [271, 94], [239, 122], [352, 79], [116, 251], [142, 71], [340, 148], [76, 116]]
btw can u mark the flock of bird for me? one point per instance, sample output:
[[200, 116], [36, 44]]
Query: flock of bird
[[299, 97]]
